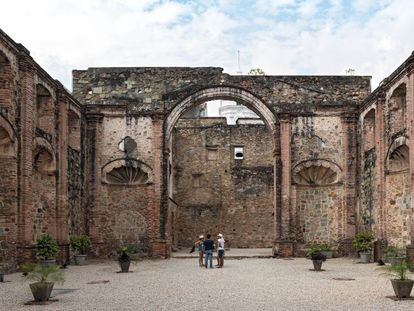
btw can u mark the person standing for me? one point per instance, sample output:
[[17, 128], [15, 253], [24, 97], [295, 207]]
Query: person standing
[[220, 251], [208, 250], [199, 245]]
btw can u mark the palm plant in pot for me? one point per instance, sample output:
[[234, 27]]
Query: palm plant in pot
[[44, 277], [80, 244], [317, 257], [124, 257], [46, 250], [400, 281], [364, 243], [395, 255]]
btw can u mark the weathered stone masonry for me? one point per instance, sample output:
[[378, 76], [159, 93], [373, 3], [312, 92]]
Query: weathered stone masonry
[[116, 163], [37, 115]]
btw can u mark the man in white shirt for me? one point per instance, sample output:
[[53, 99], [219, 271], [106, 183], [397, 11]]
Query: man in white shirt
[[220, 251]]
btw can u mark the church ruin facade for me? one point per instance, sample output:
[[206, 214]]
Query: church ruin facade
[[114, 160]]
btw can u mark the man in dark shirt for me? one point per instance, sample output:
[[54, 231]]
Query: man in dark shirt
[[208, 250]]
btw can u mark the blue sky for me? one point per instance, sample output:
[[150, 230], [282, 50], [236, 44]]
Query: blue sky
[[280, 36]]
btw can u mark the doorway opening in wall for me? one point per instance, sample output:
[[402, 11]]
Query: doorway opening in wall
[[221, 175]]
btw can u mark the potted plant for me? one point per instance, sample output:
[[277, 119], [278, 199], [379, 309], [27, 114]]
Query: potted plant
[[326, 250], [46, 250], [44, 277], [401, 284], [80, 244], [363, 243], [317, 257], [124, 257], [395, 255]]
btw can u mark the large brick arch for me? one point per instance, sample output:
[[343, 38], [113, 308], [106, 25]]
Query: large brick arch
[[225, 93], [215, 93]]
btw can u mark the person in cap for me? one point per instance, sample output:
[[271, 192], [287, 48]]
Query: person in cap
[[220, 250]]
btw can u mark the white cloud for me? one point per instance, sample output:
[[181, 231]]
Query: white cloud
[[324, 38]]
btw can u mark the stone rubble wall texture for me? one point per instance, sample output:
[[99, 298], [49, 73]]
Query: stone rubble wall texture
[[335, 158], [33, 154], [215, 192]]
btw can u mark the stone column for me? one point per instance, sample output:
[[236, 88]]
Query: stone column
[[410, 130], [285, 233], [93, 173], [347, 216]]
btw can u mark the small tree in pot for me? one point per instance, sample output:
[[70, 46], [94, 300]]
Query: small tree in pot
[[395, 255], [317, 257], [401, 284], [364, 243], [80, 244], [46, 250], [44, 277], [124, 257]]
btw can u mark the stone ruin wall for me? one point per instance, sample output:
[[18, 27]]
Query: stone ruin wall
[[340, 169], [217, 193]]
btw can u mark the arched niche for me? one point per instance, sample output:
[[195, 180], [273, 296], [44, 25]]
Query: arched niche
[[398, 157], [8, 145], [74, 130], [368, 130], [6, 78], [316, 173], [44, 160], [128, 172], [45, 114], [397, 108]]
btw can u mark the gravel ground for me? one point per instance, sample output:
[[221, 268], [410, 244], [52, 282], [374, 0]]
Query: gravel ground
[[248, 284]]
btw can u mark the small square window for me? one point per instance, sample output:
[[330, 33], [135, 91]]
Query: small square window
[[238, 153]]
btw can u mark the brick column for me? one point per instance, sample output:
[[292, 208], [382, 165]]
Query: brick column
[[410, 130], [93, 129], [62, 230], [347, 216], [285, 233], [28, 110], [157, 219], [380, 164]]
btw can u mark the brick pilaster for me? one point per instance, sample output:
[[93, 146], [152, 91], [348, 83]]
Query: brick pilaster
[[380, 164], [93, 130], [347, 216], [28, 107], [410, 130], [62, 229], [285, 237]]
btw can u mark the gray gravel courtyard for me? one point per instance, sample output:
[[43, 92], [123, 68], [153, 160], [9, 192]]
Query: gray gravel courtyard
[[248, 284]]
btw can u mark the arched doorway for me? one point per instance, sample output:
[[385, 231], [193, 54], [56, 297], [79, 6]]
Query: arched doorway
[[216, 93]]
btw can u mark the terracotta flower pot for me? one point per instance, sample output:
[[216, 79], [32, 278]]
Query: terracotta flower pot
[[41, 290], [402, 288]]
